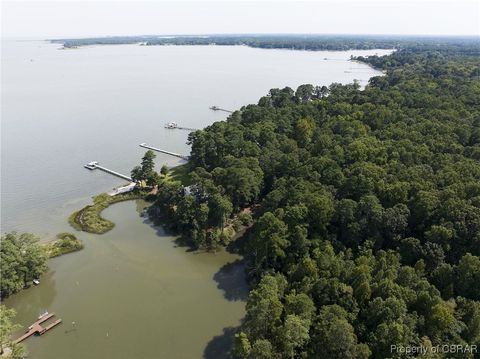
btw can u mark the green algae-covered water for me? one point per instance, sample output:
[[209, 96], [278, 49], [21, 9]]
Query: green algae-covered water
[[133, 293]]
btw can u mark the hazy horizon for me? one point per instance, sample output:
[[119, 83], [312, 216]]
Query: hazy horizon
[[39, 38], [74, 19]]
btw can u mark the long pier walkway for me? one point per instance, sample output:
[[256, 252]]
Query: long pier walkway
[[36, 328], [144, 145], [215, 108], [180, 128], [94, 165], [114, 173]]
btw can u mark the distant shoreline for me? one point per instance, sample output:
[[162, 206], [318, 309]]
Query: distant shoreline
[[290, 42], [78, 47]]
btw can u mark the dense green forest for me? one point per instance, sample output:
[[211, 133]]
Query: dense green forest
[[22, 259], [365, 204], [294, 42]]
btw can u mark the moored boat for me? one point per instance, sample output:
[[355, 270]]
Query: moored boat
[[171, 125], [91, 165]]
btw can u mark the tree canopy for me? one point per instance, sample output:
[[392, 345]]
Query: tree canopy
[[22, 260], [366, 207], [8, 348]]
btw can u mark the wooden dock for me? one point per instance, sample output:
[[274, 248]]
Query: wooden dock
[[144, 145], [180, 128], [94, 165], [36, 328], [215, 108], [114, 173]]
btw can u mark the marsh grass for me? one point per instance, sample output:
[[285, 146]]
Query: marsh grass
[[89, 218], [65, 243]]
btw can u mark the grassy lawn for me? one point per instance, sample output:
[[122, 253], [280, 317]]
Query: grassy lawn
[[89, 218], [181, 174]]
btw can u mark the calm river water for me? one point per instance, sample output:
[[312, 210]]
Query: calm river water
[[132, 292]]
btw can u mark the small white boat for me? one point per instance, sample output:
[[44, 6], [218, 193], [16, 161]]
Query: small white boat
[[91, 165], [42, 315], [171, 125], [36, 282]]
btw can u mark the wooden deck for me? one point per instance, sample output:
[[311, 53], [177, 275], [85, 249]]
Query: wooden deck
[[36, 328]]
